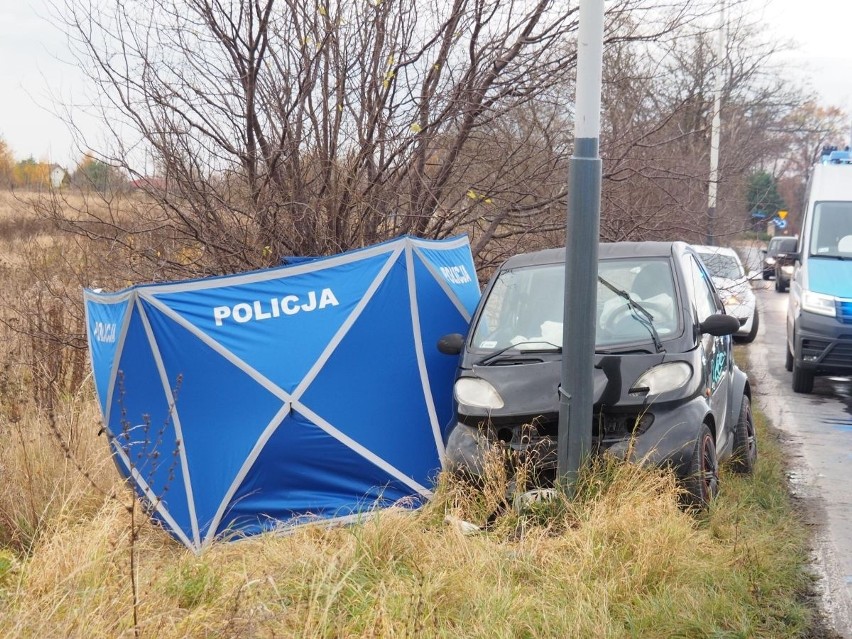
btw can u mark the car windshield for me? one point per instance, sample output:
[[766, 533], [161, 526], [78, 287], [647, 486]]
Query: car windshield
[[784, 245], [721, 265], [831, 230], [524, 307]]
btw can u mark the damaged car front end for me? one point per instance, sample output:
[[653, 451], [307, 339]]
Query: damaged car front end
[[663, 368]]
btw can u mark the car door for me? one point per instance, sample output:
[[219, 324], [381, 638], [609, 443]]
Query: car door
[[716, 354]]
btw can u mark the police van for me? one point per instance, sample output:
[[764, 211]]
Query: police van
[[819, 314]]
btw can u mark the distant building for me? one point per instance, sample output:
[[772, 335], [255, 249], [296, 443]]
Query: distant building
[[57, 175]]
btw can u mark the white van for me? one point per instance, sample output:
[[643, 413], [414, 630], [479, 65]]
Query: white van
[[819, 314]]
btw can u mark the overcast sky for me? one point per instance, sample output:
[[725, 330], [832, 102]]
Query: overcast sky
[[36, 69]]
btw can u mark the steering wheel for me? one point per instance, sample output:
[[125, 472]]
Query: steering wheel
[[656, 309]]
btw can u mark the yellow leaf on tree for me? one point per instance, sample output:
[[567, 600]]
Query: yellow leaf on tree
[[472, 195], [322, 10], [416, 128]]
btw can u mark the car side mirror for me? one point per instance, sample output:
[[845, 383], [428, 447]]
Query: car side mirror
[[719, 324], [763, 251], [451, 344]]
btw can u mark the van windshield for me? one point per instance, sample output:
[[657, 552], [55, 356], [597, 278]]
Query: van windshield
[[831, 230], [524, 307]]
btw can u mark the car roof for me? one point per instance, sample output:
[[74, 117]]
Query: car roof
[[783, 239], [606, 250], [720, 250]]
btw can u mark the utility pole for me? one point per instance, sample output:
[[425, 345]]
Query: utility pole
[[715, 130], [582, 231]]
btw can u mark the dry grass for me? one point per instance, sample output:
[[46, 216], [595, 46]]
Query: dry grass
[[621, 559]]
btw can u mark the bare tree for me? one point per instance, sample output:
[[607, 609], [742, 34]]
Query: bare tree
[[257, 129], [656, 143]]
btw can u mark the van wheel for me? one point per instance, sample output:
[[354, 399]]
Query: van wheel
[[745, 441], [788, 358], [803, 380], [702, 473]]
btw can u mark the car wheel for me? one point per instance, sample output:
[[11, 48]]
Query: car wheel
[[765, 275], [782, 284], [745, 440], [702, 473], [755, 323], [803, 380], [788, 359]]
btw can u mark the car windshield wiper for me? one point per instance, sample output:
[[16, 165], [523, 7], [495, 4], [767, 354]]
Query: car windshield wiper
[[485, 361], [642, 316]]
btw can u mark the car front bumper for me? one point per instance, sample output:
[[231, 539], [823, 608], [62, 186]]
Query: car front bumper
[[823, 344], [744, 313], [668, 440]]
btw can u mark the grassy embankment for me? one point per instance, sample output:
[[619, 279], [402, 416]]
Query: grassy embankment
[[620, 560]]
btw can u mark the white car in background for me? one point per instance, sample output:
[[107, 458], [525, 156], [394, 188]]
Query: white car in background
[[734, 287]]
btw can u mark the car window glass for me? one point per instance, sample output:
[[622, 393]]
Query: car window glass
[[705, 298], [831, 230], [525, 305], [723, 265]]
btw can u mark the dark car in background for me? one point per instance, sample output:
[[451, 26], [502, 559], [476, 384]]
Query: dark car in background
[[667, 390], [779, 244], [785, 261]]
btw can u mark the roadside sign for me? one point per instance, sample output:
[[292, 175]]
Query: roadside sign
[[780, 224], [782, 214]]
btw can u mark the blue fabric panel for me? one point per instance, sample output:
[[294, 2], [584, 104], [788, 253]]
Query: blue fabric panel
[[142, 426], [222, 412], [104, 328], [456, 266], [438, 317], [281, 326], [382, 407], [304, 474]]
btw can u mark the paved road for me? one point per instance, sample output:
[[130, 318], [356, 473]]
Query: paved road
[[818, 431]]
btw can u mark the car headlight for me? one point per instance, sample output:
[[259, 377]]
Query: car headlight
[[662, 378], [729, 298], [476, 392], [770, 261], [819, 303]]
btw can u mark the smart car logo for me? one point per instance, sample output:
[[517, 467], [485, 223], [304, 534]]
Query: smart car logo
[[258, 310]]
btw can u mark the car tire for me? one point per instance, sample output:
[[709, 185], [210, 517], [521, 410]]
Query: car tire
[[803, 379], [702, 472], [765, 275], [755, 324], [788, 358], [745, 441]]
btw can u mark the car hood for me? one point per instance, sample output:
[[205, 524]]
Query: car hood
[[737, 287], [830, 276], [531, 388]]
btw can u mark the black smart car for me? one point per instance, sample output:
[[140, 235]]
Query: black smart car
[[666, 386]]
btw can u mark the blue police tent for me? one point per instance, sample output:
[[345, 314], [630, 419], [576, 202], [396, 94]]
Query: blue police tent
[[252, 402]]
